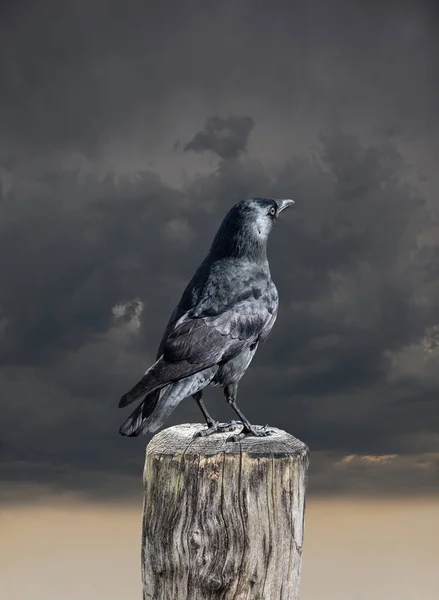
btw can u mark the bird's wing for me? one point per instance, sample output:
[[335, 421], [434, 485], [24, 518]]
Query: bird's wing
[[211, 337], [196, 343], [268, 327], [173, 319]]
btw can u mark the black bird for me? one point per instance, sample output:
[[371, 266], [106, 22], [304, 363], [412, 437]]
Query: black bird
[[227, 309]]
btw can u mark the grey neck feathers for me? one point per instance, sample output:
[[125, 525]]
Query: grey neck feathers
[[238, 240]]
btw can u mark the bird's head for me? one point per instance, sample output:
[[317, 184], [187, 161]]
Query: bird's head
[[258, 215], [246, 226]]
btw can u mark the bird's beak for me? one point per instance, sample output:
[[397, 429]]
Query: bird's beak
[[282, 204]]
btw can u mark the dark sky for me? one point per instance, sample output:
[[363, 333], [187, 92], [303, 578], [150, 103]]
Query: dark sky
[[127, 130]]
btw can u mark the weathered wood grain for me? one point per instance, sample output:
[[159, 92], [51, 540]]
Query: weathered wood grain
[[223, 520]]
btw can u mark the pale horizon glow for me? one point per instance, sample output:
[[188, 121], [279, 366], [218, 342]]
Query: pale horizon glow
[[354, 550]]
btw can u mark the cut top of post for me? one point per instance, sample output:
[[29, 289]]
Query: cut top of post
[[179, 440]]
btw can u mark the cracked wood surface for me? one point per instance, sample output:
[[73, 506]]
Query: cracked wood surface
[[223, 520]]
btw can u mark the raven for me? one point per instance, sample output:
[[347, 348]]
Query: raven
[[228, 308]]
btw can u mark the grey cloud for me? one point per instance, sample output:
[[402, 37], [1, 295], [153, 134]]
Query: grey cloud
[[346, 263], [87, 78], [74, 263], [226, 137], [386, 474]]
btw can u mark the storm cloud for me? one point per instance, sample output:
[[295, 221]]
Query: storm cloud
[[227, 138], [103, 221]]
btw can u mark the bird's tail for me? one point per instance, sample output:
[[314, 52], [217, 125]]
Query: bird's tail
[[140, 418], [152, 412], [158, 405]]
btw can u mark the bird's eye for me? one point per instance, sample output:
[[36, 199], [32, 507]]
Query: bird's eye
[[272, 211]]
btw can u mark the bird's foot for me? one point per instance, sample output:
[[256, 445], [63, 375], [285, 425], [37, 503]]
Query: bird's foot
[[250, 431], [217, 427]]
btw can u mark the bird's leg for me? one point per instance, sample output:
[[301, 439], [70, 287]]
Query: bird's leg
[[248, 429], [212, 425], [198, 397]]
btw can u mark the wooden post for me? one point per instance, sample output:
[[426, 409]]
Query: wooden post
[[223, 520]]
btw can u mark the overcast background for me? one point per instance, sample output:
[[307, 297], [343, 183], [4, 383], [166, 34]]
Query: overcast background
[[127, 130]]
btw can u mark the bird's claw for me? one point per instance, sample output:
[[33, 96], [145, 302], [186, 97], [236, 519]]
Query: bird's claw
[[250, 431], [217, 428]]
